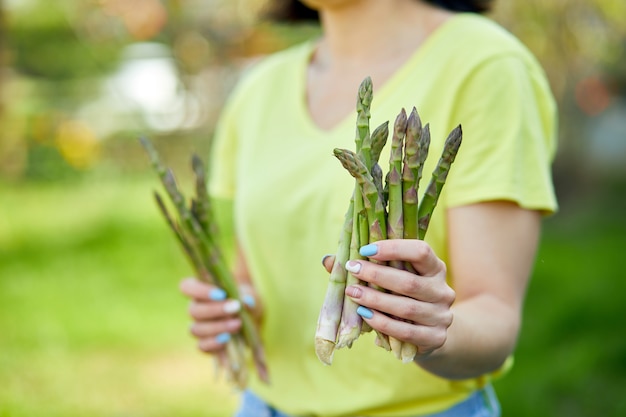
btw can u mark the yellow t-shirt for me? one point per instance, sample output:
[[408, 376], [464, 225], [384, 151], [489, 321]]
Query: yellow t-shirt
[[290, 195]]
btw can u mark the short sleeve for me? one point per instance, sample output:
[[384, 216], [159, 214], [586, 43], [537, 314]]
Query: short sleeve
[[508, 117]]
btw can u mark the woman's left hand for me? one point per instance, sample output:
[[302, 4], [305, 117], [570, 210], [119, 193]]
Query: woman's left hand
[[417, 307]]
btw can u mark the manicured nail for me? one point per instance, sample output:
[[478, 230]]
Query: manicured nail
[[248, 300], [222, 338], [354, 292], [369, 250], [232, 306], [217, 294], [324, 258], [353, 266], [364, 312]]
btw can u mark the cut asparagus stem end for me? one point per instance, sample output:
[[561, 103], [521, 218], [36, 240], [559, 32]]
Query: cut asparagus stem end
[[396, 347], [324, 350], [408, 353]]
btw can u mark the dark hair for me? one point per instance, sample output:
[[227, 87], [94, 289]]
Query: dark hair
[[294, 10]]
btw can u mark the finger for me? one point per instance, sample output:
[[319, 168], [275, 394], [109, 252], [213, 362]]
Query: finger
[[214, 344], [417, 252], [328, 261], [213, 310], [399, 306], [426, 338], [401, 282], [199, 290], [211, 329], [249, 300], [246, 293]]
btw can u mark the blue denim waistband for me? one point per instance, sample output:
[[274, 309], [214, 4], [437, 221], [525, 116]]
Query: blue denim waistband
[[482, 403]]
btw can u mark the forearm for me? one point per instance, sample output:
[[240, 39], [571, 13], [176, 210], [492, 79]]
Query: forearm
[[490, 272], [482, 335]]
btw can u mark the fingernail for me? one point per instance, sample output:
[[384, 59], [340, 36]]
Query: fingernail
[[364, 312], [353, 266], [324, 258], [232, 306], [222, 338], [369, 250], [354, 292], [248, 300], [217, 294]]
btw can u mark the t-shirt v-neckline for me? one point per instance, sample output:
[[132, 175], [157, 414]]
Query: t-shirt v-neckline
[[379, 93]]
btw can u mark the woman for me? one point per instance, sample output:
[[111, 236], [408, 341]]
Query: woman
[[273, 165]]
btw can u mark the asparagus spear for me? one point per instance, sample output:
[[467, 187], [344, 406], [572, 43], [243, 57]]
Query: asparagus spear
[[351, 323], [365, 144], [201, 205], [414, 157], [350, 320], [370, 153], [395, 225], [378, 141], [410, 174], [394, 178], [363, 105], [438, 179], [333, 313], [424, 145]]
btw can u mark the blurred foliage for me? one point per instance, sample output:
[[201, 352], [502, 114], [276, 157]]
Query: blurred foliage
[[582, 46], [571, 38], [91, 322], [71, 86], [571, 358], [68, 95]]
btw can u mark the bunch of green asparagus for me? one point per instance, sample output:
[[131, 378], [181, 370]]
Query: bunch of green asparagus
[[197, 233], [378, 209]]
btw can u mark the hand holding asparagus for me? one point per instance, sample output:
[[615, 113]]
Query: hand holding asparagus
[[216, 287], [404, 283]]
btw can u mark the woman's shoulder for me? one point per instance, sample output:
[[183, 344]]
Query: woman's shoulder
[[478, 38]]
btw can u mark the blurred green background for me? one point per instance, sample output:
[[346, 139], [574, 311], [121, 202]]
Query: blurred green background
[[91, 321]]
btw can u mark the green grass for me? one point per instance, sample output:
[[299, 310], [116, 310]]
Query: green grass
[[571, 359], [91, 321]]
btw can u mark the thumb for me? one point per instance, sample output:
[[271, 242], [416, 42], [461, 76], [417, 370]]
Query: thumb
[[328, 261]]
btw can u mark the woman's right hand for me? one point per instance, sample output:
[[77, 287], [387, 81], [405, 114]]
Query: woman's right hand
[[215, 318]]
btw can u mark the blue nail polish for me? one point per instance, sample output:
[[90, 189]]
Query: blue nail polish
[[364, 312], [217, 294], [248, 300], [369, 250], [222, 338]]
